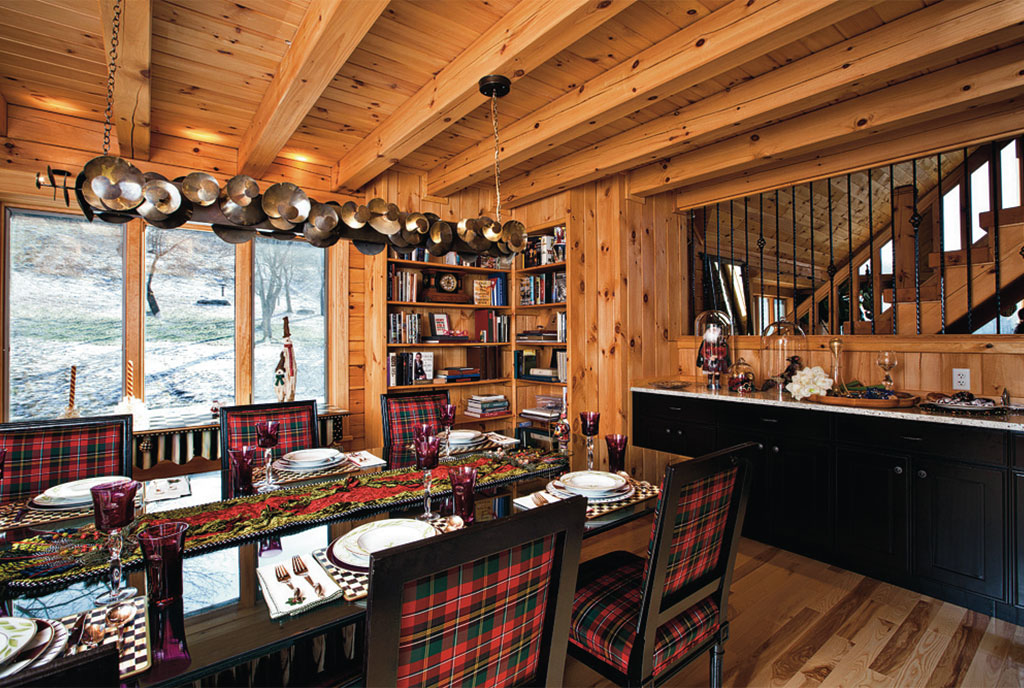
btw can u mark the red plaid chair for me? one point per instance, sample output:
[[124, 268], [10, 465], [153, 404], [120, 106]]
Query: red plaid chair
[[299, 430], [402, 411], [49, 452], [485, 606], [639, 621]]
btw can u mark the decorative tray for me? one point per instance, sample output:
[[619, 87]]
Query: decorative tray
[[896, 402], [964, 409], [670, 384]]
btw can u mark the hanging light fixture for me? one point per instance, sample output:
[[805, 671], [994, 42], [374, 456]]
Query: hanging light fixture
[[112, 189]]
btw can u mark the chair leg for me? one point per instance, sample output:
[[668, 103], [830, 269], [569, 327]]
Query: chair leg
[[716, 665]]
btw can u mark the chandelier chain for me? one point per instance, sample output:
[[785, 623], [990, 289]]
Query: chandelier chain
[[497, 166], [115, 31]]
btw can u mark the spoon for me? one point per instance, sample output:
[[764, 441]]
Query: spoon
[[93, 635]]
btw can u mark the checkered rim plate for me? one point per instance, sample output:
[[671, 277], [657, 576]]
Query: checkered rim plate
[[37, 517], [285, 477], [644, 491], [135, 652]]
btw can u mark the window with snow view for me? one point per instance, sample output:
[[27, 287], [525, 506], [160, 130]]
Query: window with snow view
[[288, 281], [56, 323], [190, 319]]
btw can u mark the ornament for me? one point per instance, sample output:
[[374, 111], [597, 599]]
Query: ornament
[[284, 373]]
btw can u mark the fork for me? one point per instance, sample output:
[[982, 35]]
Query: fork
[[299, 568], [284, 577]]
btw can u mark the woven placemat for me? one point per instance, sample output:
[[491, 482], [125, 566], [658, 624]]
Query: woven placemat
[[135, 655], [644, 491], [284, 477], [355, 585], [9, 516]]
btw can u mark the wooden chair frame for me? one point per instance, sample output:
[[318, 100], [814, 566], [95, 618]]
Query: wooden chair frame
[[656, 611], [392, 569], [426, 393], [124, 420], [225, 411]]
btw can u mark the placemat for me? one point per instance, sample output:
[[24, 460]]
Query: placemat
[[644, 491], [356, 585], [36, 517], [135, 654], [284, 477]]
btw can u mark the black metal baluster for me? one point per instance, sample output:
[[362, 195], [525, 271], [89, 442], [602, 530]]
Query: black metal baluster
[[876, 298], [942, 248], [812, 317], [967, 231], [760, 248], [995, 194], [915, 222], [746, 262], [792, 210], [854, 297], [832, 321], [778, 271], [732, 231], [892, 227], [693, 268], [718, 253]]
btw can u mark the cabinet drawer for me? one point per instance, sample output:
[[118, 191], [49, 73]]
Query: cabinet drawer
[[762, 418], [673, 407], [974, 445], [688, 439]]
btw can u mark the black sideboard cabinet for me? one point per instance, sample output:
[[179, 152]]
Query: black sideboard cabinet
[[930, 506]]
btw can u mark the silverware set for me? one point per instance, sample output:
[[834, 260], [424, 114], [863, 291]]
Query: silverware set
[[300, 569], [90, 635]]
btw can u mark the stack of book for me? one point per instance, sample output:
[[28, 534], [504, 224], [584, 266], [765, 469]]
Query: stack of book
[[403, 328], [562, 365], [486, 405], [544, 414], [402, 284], [539, 334], [491, 327], [457, 374], [491, 291], [542, 288], [410, 368]]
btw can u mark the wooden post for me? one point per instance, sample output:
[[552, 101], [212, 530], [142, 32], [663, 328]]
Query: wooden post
[[243, 322], [135, 304]]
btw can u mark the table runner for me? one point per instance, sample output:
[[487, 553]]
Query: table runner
[[53, 559]]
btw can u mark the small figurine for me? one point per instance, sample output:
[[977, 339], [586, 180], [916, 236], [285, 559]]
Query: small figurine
[[284, 373], [71, 411], [713, 355]]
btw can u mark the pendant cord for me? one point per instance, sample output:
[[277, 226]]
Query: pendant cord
[[111, 71], [497, 166]]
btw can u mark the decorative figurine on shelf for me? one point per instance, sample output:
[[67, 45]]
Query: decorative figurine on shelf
[[284, 373], [71, 411], [562, 431], [129, 404], [741, 377], [714, 329]]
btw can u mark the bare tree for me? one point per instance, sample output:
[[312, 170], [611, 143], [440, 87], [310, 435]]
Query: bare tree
[[273, 271], [158, 245]]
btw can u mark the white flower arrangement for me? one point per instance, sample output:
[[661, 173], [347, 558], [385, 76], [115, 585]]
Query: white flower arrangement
[[809, 381]]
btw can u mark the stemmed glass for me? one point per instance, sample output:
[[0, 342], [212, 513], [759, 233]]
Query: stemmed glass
[[113, 506], [427, 447], [589, 421], [446, 415], [267, 432], [887, 361]]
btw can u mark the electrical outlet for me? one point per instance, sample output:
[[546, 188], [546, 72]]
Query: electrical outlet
[[961, 378]]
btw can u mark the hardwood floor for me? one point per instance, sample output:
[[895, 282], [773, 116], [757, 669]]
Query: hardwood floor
[[798, 622]]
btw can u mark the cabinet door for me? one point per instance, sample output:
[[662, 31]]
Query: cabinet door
[[677, 437], [799, 480], [871, 511], [958, 525], [1018, 514], [757, 523]]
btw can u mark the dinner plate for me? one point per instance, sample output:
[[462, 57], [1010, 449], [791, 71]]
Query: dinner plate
[[348, 553], [303, 456], [624, 494], [465, 436], [76, 491], [57, 645], [33, 649], [283, 465], [15, 632], [593, 483]]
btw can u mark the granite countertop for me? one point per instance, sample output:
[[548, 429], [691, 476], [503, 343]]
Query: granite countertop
[[1013, 422]]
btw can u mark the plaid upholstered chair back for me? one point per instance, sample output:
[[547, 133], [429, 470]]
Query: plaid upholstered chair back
[[41, 454], [299, 427], [401, 413], [487, 606]]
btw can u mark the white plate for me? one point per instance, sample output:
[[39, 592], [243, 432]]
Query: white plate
[[57, 645], [311, 455], [76, 491], [593, 483], [15, 632], [465, 436], [349, 550], [626, 493], [33, 650], [282, 465]]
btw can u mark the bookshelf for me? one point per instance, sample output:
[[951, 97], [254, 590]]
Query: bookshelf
[[415, 296], [540, 305]]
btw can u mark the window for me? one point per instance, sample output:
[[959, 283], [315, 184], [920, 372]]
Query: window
[[190, 319], [55, 321], [288, 280]]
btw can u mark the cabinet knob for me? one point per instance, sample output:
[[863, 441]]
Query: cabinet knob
[[668, 431], [775, 449], [922, 474], [898, 470]]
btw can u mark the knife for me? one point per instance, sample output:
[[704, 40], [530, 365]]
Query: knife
[[75, 636]]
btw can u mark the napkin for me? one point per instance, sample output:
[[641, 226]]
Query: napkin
[[278, 594], [503, 440], [167, 488], [526, 502], [365, 459]]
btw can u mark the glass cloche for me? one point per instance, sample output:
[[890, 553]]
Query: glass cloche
[[783, 346], [713, 329], [741, 377]]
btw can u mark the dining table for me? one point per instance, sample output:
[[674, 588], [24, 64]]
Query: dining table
[[226, 619]]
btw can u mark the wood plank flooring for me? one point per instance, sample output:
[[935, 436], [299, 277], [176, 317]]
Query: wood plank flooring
[[796, 622]]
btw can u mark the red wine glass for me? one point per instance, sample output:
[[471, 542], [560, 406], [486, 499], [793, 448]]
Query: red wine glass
[[267, 433], [589, 421], [427, 448], [463, 499], [446, 415], [616, 452], [113, 506], [241, 463]]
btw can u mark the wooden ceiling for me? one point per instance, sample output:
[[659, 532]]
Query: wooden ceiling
[[682, 94]]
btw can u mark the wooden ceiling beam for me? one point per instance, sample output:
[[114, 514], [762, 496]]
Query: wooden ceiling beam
[[530, 34], [329, 32], [805, 84], [131, 109], [989, 78], [960, 129], [723, 40]]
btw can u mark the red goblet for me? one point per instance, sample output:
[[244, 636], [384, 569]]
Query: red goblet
[[113, 506], [427, 448], [267, 432], [463, 481], [242, 462], [616, 452], [589, 421], [446, 415]]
